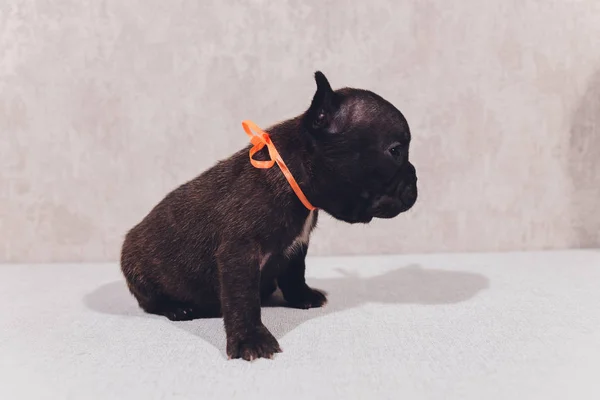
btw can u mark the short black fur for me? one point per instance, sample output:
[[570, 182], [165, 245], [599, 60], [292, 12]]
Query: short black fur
[[223, 242]]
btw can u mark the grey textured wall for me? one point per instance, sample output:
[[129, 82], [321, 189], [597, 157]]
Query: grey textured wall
[[106, 105]]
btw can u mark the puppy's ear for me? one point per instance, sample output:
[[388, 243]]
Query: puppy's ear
[[323, 106]]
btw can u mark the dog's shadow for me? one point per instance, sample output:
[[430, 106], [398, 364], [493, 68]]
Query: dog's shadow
[[408, 285]]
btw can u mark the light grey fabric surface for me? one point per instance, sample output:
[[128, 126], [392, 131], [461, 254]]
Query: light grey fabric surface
[[106, 105], [512, 326]]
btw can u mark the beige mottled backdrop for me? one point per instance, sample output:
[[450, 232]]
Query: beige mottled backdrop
[[105, 105]]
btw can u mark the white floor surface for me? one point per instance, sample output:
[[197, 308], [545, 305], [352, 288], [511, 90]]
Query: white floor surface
[[480, 326]]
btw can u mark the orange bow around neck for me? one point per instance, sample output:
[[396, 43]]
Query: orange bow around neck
[[260, 139]]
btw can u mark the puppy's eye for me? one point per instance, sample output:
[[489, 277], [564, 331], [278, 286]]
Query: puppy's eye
[[395, 150]]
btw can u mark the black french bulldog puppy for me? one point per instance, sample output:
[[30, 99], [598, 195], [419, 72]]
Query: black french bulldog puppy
[[221, 243]]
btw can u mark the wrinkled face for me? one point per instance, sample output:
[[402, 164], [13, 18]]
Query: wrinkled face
[[364, 143]]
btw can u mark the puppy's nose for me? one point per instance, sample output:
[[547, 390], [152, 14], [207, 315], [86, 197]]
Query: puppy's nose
[[409, 195], [408, 188], [409, 172]]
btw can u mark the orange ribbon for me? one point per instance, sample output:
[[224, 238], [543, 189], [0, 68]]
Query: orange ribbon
[[260, 139]]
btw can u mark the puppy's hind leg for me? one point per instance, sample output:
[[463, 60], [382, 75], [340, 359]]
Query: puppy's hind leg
[[185, 311], [153, 301], [175, 310]]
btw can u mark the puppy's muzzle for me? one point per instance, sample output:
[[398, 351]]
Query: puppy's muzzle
[[401, 196], [408, 186]]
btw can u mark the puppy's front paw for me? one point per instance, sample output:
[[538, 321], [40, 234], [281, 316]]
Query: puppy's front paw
[[257, 344], [308, 298]]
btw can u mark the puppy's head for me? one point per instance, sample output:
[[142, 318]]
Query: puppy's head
[[362, 144]]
